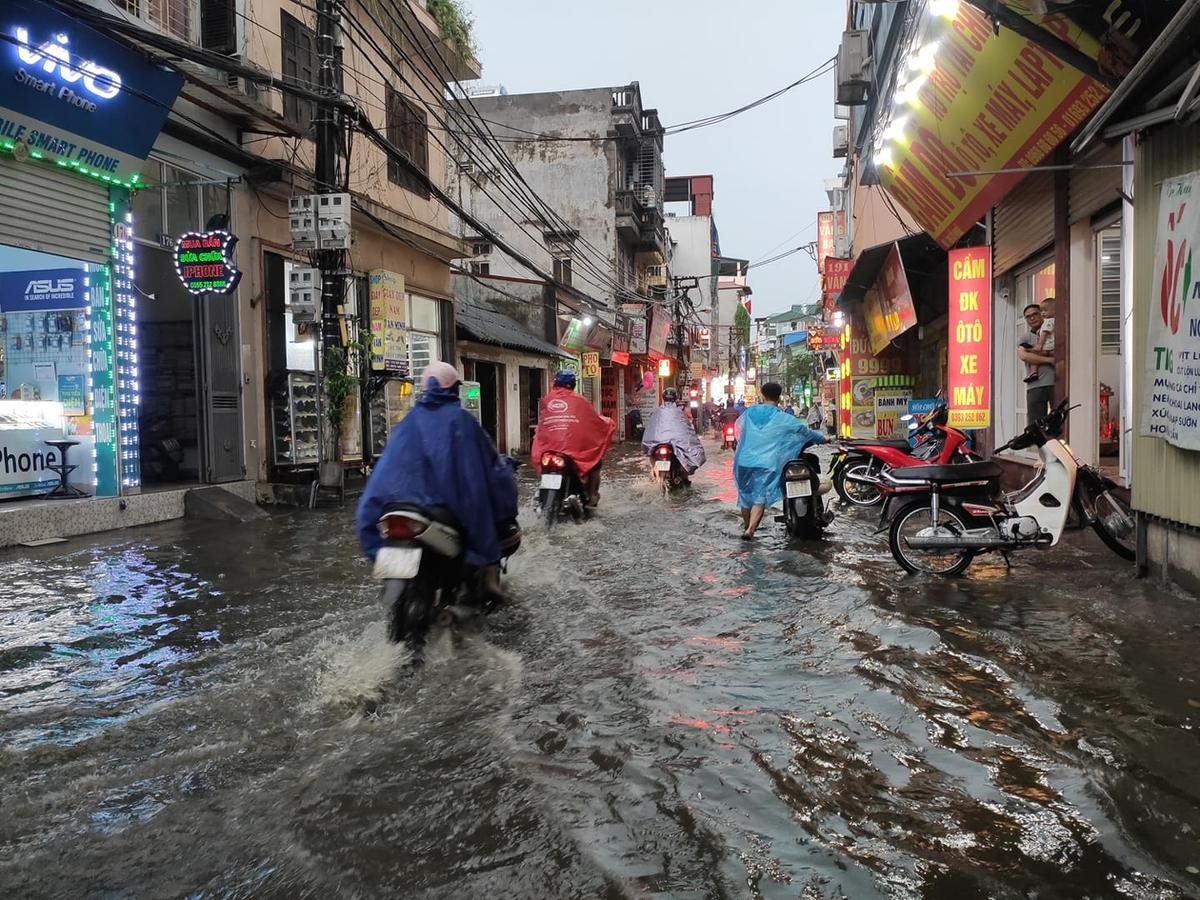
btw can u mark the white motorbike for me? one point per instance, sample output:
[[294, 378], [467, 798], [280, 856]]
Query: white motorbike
[[955, 512]]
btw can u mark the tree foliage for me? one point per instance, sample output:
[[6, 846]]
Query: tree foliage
[[456, 24]]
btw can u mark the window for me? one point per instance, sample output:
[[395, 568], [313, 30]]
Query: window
[[407, 130], [183, 201], [1109, 241], [562, 269], [176, 17], [299, 50], [481, 248], [481, 268]]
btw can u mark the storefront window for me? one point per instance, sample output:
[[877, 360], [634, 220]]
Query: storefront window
[[148, 203], [182, 201]]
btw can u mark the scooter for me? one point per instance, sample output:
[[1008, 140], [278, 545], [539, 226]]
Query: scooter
[[858, 464], [804, 513], [666, 469], [729, 437], [960, 511], [426, 581], [561, 492]]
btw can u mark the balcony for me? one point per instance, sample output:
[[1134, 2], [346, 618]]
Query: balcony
[[629, 217], [639, 222], [627, 112]]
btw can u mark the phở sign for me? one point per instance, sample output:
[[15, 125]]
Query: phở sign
[[204, 262]]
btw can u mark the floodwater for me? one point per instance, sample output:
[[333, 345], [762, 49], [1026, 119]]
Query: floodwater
[[211, 710]]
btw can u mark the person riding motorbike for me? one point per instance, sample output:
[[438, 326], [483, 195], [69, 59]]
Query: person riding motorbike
[[568, 424], [669, 425], [439, 457]]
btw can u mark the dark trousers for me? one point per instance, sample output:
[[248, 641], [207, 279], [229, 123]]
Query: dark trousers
[[1039, 401]]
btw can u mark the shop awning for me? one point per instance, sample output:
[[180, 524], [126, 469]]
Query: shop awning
[[915, 249], [488, 327]]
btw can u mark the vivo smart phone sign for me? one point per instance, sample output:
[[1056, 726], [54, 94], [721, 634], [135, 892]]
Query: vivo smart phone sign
[[70, 94]]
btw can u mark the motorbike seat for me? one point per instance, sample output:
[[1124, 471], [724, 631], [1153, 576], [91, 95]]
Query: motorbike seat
[[438, 514], [864, 442], [980, 471]]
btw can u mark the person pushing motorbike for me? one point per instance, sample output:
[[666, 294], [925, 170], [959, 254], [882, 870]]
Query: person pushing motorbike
[[439, 457], [568, 424], [669, 425]]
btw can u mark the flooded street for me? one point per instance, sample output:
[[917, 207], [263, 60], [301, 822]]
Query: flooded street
[[210, 710]]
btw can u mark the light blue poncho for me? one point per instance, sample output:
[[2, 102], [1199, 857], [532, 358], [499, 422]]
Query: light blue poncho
[[768, 438]]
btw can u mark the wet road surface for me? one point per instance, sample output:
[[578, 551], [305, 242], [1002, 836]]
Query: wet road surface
[[211, 710]]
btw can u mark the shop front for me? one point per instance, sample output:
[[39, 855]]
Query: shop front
[[71, 152]]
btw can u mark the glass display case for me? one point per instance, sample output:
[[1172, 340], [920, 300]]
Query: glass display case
[[295, 420]]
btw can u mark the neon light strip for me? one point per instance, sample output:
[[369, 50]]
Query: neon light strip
[[128, 393]]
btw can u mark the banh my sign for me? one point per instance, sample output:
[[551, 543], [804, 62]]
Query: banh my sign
[[204, 262], [969, 363], [973, 101]]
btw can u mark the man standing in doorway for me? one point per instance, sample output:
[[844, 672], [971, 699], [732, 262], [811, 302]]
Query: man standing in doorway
[[1039, 384]]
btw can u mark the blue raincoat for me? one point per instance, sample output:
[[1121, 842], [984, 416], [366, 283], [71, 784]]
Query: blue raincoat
[[439, 456], [669, 425], [768, 438]]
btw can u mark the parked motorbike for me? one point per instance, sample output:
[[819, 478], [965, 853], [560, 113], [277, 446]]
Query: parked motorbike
[[666, 469], [804, 513], [729, 437], [858, 464], [561, 492], [426, 580], [959, 511]]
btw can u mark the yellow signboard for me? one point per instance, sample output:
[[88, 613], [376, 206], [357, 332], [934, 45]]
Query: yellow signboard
[[591, 365], [973, 101], [389, 332]]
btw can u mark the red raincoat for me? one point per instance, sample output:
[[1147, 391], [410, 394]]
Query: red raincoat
[[567, 424]]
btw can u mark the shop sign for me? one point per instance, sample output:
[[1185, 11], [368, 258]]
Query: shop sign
[[835, 275], [590, 365], [25, 460], [969, 365], [922, 407], [204, 262], [620, 358], [387, 307], [1171, 402], [74, 96], [825, 247], [977, 100], [637, 327], [888, 306], [660, 329], [890, 405]]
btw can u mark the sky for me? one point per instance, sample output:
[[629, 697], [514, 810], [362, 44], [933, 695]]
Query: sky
[[695, 58]]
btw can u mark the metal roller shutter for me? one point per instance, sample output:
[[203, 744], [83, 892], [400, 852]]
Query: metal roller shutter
[[1093, 189], [68, 212], [1023, 222]]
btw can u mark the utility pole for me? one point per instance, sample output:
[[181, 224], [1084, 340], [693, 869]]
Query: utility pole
[[327, 127]]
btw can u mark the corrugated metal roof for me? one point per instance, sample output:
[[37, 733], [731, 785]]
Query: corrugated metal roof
[[489, 327]]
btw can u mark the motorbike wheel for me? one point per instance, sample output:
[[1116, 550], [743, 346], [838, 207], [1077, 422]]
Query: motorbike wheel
[[854, 492], [911, 520], [410, 605], [801, 527], [551, 506], [1114, 522]]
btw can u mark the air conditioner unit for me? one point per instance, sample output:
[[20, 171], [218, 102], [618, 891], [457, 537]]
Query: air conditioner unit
[[853, 61], [841, 141]]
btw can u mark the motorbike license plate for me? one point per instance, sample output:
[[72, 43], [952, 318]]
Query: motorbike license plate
[[397, 562], [799, 489], [551, 482], [662, 465]]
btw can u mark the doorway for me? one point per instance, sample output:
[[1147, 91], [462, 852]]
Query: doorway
[[532, 387], [488, 376]]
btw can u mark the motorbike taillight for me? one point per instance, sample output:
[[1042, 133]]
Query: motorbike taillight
[[664, 451], [729, 430], [553, 461], [396, 527]]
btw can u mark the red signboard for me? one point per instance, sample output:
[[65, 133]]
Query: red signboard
[[825, 246], [888, 307], [970, 359], [835, 275]]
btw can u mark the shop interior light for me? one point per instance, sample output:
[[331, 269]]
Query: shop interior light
[[895, 129], [946, 9], [884, 158], [587, 321], [926, 59]]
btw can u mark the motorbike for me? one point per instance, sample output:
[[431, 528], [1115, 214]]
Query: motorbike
[[858, 464], [804, 513], [666, 469], [729, 437], [561, 491], [426, 580], [959, 510]]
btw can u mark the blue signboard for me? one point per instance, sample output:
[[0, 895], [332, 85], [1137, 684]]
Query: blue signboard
[[70, 94], [42, 289], [796, 337], [922, 407]]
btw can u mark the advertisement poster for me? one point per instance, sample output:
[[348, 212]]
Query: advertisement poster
[[969, 360], [389, 330], [890, 405], [71, 394], [888, 307], [1171, 403], [1034, 102], [862, 407]]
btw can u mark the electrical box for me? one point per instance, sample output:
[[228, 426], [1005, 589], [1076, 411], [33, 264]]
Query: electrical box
[[333, 221], [302, 221], [853, 62], [469, 397], [841, 141], [304, 293]]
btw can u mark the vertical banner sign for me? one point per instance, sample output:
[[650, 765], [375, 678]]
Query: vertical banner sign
[[825, 245], [385, 298], [888, 306], [970, 361], [1171, 402], [833, 280]]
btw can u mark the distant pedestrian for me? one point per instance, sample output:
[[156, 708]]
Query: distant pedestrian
[[815, 416]]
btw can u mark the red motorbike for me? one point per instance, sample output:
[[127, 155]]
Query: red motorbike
[[858, 464]]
